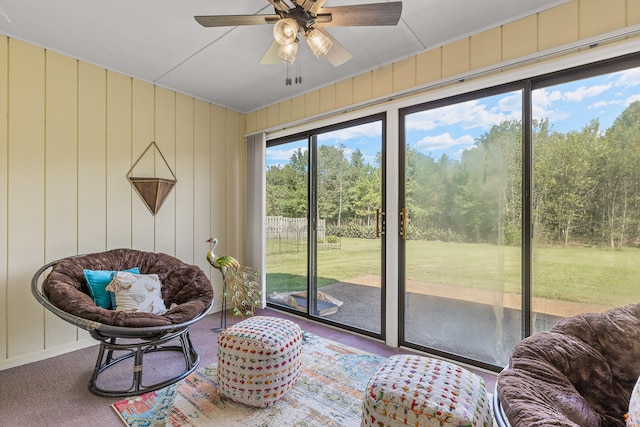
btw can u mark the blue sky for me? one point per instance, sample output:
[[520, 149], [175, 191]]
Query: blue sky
[[569, 106], [365, 137], [453, 129], [281, 154]]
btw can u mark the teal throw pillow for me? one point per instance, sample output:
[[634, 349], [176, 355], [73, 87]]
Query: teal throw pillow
[[97, 280]]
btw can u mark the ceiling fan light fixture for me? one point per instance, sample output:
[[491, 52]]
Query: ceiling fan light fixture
[[285, 31], [288, 52], [318, 42]]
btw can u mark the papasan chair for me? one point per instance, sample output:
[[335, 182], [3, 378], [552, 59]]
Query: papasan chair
[[61, 287]]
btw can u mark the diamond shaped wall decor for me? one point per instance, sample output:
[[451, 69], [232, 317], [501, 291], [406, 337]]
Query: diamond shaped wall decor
[[152, 190]]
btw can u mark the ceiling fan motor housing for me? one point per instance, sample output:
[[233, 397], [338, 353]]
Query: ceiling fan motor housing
[[305, 20]]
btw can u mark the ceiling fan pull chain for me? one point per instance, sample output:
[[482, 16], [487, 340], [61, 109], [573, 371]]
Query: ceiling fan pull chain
[[287, 81], [299, 76]]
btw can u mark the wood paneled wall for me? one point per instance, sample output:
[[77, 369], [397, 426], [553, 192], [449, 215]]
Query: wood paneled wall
[[69, 134], [554, 27]]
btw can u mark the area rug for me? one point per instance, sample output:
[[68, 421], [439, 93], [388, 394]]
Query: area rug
[[328, 392]]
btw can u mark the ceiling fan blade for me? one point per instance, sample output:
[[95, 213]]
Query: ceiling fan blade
[[271, 55], [235, 20], [338, 54], [372, 14], [316, 6], [310, 5], [279, 5]]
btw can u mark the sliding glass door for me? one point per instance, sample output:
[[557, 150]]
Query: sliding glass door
[[586, 193], [348, 206], [325, 224], [461, 226], [287, 182], [519, 205]]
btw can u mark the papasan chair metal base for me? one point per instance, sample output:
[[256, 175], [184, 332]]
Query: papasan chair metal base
[[137, 351], [498, 409], [127, 336]]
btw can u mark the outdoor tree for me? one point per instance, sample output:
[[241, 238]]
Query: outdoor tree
[[332, 174], [586, 186], [619, 184], [287, 187]]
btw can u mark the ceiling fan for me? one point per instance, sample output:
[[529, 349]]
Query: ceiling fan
[[309, 17]]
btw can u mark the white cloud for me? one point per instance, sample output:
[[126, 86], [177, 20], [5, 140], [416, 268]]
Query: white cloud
[[623, 79], [584, 92], [633, 98], [542, 105], [546, 104], [367, 130], [281, 156], [468, 115], [543, 98], [628, 78], [424, 120], [601, 104], [551, 104], [512, 105], [442, 142], [622, 102]]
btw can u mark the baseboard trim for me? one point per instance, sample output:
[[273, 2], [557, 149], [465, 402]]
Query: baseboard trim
[[62, 349], [45, 354]]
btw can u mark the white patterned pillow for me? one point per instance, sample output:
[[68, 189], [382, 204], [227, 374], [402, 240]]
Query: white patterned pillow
[[137, 293], [633, 418]]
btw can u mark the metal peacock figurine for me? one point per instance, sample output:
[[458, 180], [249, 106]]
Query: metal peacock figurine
[[242, 281]]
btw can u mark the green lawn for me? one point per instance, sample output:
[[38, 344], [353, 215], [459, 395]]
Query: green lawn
[[586, 275], [354, 258]]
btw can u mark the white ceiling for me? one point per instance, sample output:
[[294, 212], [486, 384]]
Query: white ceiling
[[159, 41]]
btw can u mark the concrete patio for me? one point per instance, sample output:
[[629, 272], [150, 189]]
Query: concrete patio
[[482, 325]]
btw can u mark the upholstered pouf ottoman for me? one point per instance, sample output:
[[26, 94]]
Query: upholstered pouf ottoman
[[421, 391], [259, 360]]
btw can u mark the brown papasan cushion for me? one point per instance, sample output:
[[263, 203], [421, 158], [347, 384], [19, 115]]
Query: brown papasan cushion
[[579, 374], [183, 284]]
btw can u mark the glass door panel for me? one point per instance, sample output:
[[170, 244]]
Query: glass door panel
[[586, 196], [348, 184], [324, 224], [287, 196], [462, 228]]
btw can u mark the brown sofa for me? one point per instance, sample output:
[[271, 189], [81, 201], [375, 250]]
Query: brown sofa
[[60, 287], [579, 374]]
